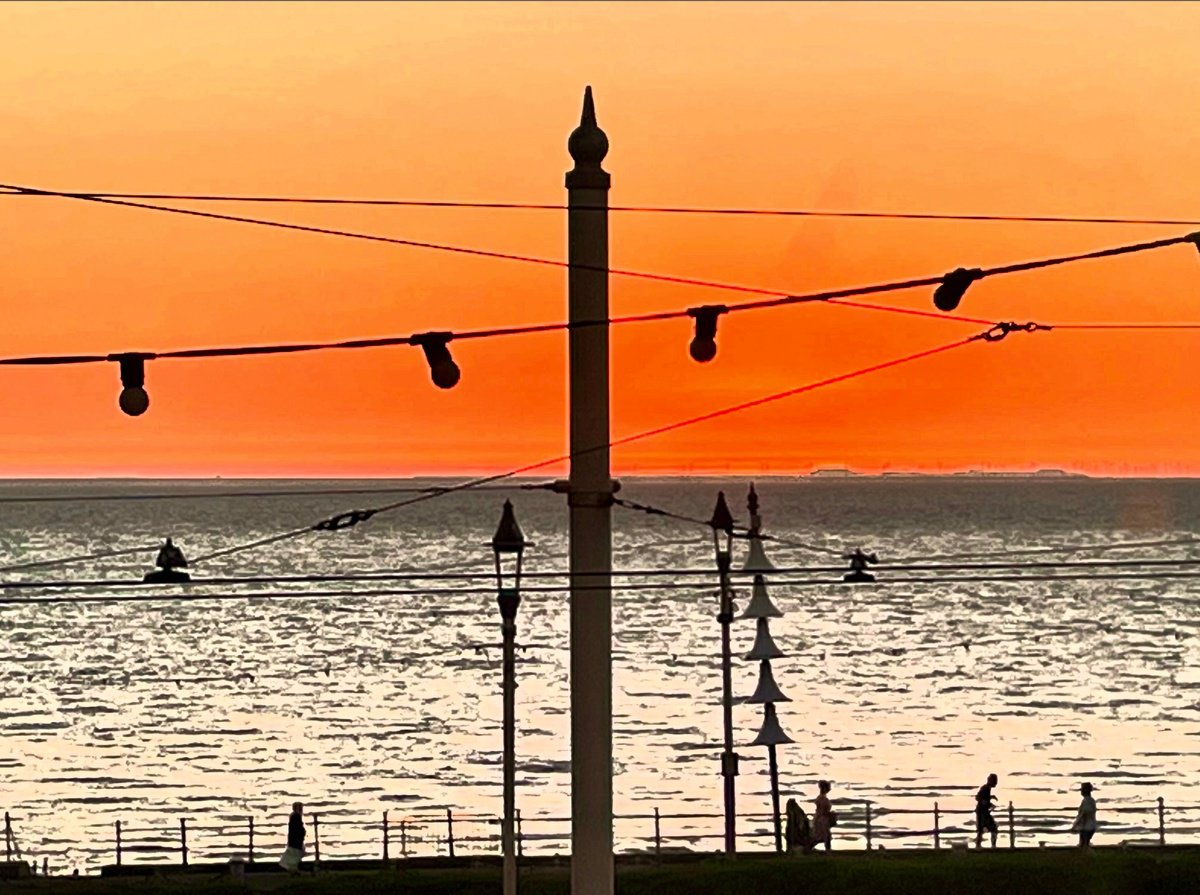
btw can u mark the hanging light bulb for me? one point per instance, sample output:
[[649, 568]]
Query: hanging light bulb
[[704, 344], [133, 400], [442, 368], [954, 285]]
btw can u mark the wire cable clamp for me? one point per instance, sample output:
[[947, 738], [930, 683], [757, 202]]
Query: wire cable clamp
[[344, 520], [998, 331]]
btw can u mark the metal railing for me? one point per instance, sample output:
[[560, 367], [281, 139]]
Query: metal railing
[[336, 835], [860, 824]]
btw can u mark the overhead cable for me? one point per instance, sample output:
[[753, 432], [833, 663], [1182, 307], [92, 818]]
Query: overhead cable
[[650, 209], [384, 575], [484, 592]]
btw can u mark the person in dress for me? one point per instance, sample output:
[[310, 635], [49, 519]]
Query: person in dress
[[823, 817], [295, 840], [1085, 820], [983, 811]]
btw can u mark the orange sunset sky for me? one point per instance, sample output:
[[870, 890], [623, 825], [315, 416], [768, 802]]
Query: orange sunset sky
[[1006, 108]]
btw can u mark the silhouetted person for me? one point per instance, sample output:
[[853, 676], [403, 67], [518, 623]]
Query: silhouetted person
[[295, 841], [1085, 820], [170, 558], [858, 566], [797, 834], [823, 817], [983, 811]]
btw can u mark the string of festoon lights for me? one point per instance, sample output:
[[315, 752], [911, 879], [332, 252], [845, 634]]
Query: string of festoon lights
[[949, 290]]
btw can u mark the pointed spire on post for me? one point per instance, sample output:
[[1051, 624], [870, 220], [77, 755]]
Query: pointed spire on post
[[588, 117], [588, 146], [757, 560]]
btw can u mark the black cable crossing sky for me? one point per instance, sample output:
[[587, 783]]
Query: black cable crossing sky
[[646, 209]]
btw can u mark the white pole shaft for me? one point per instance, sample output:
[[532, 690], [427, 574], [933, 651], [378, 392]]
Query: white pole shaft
[[590, 498]]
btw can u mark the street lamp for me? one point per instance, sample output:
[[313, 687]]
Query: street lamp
[[767, 693], [508, 547], [722, 526]]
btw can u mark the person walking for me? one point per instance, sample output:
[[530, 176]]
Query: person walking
[[295, 840], [1085, 820], [983, 811], [823, 817]]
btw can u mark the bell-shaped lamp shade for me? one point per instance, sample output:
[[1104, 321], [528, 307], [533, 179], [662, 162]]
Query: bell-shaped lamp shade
[[757, 560], [767, 690], [771, 734], [760, 602], [764, 643]]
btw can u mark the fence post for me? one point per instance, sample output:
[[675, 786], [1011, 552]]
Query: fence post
[[404, 838], [316, 839], [183, 849], [1012, 828], [1162, 825], [385, 837], [520, 837], [937, 826], [118, 825], [450, 831], [657, 835], [8, 837], [250, 853], [868, 826]]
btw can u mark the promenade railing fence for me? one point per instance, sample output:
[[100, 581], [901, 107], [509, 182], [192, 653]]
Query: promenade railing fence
[[391, 835]]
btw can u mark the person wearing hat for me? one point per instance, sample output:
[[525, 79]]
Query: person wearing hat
[[1085, 820]]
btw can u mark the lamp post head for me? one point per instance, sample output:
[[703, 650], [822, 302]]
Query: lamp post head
[[722, 519], [722, 523], [508, 537], [508, 540]]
